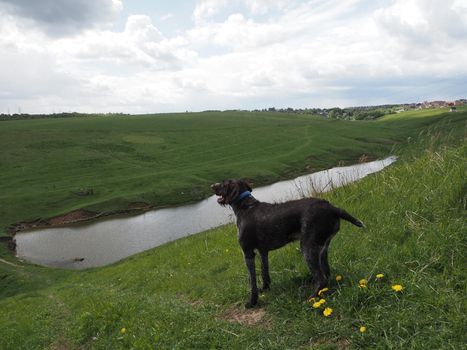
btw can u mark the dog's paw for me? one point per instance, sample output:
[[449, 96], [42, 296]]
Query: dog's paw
[[250, 305]]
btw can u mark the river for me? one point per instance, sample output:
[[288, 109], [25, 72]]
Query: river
[[104, 242]]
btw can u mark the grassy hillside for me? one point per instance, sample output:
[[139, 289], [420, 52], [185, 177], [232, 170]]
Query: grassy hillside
[[189, 294], [168, 159]]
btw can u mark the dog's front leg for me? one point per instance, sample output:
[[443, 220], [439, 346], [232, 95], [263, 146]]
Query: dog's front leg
[[265, 270], [250, 264]]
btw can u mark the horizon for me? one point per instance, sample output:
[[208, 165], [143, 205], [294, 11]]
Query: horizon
[[428, 104], [138, 57]]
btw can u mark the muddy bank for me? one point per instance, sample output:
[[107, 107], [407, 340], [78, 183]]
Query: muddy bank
[[75, 217]]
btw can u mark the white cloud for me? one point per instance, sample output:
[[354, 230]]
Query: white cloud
[[141, 29], [239, 32], [205, 9], [414, 21], [263, 6], [425, 39]]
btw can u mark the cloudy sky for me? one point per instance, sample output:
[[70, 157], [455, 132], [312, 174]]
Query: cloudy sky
[[143, 56]]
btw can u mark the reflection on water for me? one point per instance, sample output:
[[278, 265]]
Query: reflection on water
[[102, 243]]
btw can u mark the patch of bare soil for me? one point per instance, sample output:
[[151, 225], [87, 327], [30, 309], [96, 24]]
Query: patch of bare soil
[[139, 206], [196, 303], [74, 216], [246, 317]]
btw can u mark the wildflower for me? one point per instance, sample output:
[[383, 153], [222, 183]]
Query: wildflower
[[338, 278], [327, 312], [324, 290], [363, 283], [379, 276], [311, 299], [362, 329], [316, 305], [226, 250], [397, 287], [123, 330]]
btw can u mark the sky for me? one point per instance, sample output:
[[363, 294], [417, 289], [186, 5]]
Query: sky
[[142, 56]]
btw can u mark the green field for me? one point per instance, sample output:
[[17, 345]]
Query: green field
[[170, 159], [189, 294]]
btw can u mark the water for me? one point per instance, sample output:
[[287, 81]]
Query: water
[[101, 243]]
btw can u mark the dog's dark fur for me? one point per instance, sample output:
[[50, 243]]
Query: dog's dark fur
[[264, 227]]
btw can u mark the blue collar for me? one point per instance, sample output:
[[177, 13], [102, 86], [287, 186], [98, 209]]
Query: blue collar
[[241, 197]]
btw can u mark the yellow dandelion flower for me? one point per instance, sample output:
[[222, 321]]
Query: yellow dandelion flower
[[338, 278], [324, 290], [397, 287], [379, 276], [311, 299], [363, 282], [123, 330], [327, 312], [322, 301], [316, 305], [362, 329]]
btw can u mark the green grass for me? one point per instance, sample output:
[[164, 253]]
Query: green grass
[[170, 159], [187, 294]]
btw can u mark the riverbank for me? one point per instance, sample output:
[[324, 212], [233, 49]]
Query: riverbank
[[77, 217], [190, 293], [168, 160]]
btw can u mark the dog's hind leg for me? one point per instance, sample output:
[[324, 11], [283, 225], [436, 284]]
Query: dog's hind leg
[[250, 264], [323, 256], [312, 256], [323, 262], [265, 270]]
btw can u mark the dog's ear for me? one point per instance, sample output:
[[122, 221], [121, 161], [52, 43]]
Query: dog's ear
[[232, 191]]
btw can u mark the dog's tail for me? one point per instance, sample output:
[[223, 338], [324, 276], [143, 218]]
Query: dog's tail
[[346, 216]]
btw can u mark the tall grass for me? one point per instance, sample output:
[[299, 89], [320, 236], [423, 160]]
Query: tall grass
[[416, 237]]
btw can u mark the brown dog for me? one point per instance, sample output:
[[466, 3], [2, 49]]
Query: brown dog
[[264, 227]]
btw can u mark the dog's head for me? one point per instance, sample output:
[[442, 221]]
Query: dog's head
[[229, 190]]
